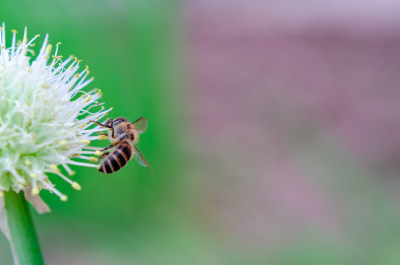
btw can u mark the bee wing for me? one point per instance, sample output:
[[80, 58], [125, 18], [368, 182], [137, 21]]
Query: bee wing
[[140, 125], [141, 160]]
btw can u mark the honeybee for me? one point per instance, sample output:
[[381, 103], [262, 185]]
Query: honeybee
[[123, 137]]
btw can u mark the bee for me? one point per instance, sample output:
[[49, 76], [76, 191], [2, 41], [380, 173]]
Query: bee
[[123, 137]]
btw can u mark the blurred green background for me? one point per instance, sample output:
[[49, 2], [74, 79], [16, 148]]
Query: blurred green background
[[273, 132], [132, 49]]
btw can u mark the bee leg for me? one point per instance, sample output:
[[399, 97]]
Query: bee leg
[[103, 134], [103, 156], [102, 125], [106, 148]]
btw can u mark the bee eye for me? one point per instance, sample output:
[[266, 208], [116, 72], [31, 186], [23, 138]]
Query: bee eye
[[117, 121], [108, 122]]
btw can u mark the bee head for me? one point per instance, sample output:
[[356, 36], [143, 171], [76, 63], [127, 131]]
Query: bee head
[[108, 122], [116, 121]]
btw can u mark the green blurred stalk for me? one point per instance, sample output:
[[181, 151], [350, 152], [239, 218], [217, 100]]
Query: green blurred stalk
[[24, 242]]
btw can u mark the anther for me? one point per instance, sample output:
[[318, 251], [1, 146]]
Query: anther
[[64, 198], [48, 49], [33, 175], [87, 99], [98, 153], [103, 137], [63, 143], [85, 141], [27, 162], [35, 191], [58, 43], [14, 31], [93, 159], [71, 173], [76, 186], [54, 167]]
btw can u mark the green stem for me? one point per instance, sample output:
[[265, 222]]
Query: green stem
[[24, 242]]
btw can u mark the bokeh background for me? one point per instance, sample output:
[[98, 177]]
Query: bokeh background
[[274, 131]]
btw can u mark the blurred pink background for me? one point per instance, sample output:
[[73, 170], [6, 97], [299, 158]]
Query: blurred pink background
[[295, 108]]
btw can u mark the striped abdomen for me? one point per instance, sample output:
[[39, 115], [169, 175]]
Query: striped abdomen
[[116, 159]]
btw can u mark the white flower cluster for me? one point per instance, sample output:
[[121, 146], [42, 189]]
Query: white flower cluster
[[44, 116]]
